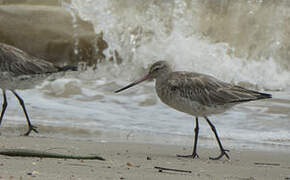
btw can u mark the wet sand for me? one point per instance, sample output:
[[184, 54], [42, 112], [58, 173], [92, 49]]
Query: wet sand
[[136, 161]]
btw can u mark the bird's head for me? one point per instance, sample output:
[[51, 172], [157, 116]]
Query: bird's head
[[157, 69]]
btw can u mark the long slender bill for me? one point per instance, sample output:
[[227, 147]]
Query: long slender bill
[[134, 83]]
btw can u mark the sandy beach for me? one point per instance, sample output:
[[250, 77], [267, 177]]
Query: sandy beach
[[245, 43], [136, 161]]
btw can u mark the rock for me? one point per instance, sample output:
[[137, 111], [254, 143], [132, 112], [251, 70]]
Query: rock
[[49, 31]]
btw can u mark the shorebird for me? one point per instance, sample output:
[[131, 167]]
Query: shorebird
[[19, 70], [199, 95]]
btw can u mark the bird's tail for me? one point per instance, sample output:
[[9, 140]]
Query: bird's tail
[[264, 96], [255, 95], [68, 68]]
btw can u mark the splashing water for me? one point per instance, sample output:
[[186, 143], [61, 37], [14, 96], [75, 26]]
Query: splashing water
[[144, 32], [82, 104]]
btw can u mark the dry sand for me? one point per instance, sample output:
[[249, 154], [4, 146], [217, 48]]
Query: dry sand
[[136, 161]]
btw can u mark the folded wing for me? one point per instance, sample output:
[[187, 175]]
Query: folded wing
[[209, 91]]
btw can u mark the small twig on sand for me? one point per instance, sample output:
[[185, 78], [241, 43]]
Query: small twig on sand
[[169, 169], [266, 164], [44, 154]]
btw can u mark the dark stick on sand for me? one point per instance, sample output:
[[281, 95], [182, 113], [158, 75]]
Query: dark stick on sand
[[44, 154], [170, 169], [266, 164]]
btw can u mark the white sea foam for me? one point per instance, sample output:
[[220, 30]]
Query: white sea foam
[[142, 32]]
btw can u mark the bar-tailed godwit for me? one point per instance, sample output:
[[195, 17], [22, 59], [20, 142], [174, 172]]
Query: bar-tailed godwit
[[19, 70], [197, 94]]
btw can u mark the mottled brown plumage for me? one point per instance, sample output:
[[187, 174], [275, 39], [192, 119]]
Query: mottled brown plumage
[[18, 62], [197, 94], [19, 70]]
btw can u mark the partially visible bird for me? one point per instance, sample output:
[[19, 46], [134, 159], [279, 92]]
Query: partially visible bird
[[19, 70], [197, 94]]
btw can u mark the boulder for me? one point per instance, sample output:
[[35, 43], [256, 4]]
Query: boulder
[[49, 31]]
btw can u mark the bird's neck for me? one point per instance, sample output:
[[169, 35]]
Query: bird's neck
[[162, 77]]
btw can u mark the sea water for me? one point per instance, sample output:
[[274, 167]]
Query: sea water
[[236, 42]]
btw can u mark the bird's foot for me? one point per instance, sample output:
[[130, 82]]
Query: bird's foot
[[223, 153], [31, 128], [194, 155]]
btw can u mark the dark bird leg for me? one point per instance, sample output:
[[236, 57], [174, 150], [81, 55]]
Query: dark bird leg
[[223, 151], [4, 105], [30, 126], [196, 130]]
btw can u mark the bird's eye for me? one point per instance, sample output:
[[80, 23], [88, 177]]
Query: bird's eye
[[154, 69], [157, 68]]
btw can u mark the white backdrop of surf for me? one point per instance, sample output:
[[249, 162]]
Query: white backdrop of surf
[[166, 30], [85, 99]]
